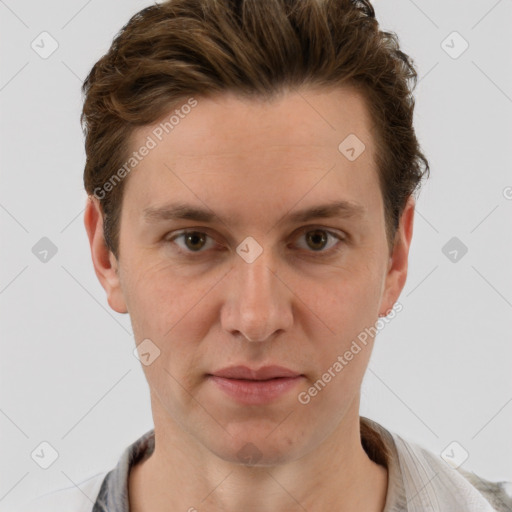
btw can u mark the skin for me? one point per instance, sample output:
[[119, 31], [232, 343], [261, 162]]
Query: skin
[[254, 162]]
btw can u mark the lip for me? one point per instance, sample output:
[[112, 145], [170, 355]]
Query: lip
[[255, 386], [263, 373]]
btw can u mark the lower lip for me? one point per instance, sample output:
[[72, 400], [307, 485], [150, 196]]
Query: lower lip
[[254, 392]]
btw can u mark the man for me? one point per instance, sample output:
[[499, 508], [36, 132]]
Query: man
[[251, 169]]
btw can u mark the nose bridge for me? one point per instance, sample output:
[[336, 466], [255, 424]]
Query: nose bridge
[[259, 301]]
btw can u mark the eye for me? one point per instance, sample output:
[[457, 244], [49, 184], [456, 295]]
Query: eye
[[193, 241], [318, 239]]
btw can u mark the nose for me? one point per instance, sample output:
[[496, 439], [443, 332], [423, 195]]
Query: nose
[[259, 302]]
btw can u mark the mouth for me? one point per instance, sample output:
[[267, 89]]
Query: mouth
[[264, 373], [255, 386]]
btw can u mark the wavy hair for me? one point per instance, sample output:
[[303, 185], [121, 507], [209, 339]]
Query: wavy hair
[[257, 48]]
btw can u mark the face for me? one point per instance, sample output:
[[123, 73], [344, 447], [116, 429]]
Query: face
[[255, 283]]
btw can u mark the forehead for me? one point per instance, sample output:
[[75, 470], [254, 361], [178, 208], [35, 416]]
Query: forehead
[[298, 118], [224, 143]]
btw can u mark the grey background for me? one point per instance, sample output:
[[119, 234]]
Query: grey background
[[440, 370]]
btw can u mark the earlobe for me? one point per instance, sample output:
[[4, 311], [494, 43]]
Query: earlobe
[[104, 261], [398, 263]]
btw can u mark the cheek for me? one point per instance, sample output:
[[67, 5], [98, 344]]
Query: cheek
[[346, 303], [348, 310], [175, 314], [160, 298]]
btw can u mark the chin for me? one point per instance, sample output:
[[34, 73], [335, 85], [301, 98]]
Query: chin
[[258, 450]]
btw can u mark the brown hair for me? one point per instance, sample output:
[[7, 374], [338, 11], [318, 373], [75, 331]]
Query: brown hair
[[256, 48]]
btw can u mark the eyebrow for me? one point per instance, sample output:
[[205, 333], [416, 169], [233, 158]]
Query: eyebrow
[[184, 211]]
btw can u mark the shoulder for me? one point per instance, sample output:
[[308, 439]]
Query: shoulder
[[498, 494], [451, 484], [79, 498]]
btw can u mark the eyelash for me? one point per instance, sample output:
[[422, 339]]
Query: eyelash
[[307, 229]]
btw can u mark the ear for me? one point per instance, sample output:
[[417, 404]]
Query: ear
[[104, 261], [398, 261]]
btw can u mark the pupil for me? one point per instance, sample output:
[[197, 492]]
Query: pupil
[[193, 237], [319, 234]]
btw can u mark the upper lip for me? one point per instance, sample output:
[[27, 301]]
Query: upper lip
[[264, 373]]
